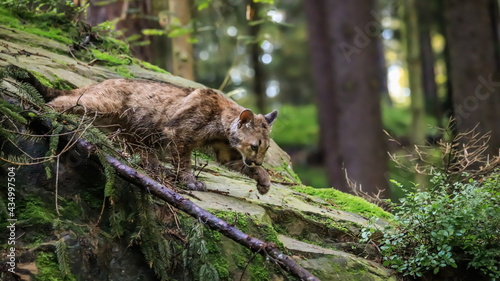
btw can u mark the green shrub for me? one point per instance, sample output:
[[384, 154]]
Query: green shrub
[[447, 225]]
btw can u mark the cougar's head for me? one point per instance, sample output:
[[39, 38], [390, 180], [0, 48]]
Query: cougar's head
[[250, 136]]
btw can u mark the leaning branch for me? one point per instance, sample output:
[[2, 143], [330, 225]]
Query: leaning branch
[[167, 194]]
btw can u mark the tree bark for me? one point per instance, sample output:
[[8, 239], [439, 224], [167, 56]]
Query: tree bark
[[328, 114], [474, 72], [183, 61], [349, 59], [413, 57]]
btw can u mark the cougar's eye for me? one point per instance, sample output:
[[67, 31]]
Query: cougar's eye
[[254, 147]]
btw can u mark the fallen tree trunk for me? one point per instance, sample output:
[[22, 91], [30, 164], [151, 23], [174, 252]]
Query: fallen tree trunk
[[266, 249]]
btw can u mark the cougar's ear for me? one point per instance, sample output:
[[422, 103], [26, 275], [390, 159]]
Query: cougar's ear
[[270, 117], [246, 118]]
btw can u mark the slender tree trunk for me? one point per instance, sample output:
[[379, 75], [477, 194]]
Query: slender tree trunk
[[183, 60], [426, 18], [412, 43], [413, 61], [345, 50], [474, 72]]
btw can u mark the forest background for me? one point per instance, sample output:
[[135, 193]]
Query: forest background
[[377, 98], [340, 72]]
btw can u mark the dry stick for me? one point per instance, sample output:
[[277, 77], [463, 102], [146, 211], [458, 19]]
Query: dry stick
[[215, 223]]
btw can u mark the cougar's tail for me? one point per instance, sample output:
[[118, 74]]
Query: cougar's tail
[[22, 75]]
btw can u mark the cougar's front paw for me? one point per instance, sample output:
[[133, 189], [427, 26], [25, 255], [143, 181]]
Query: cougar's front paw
[[191, 183], [263, 188], [263, 184]]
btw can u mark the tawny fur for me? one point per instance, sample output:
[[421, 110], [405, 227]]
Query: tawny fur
[[166, 116]]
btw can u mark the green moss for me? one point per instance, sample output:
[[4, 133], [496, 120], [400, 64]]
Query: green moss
[[61, 84], [258, 269], [36, 212], [284, 173], [239, 220], [269, 234], [123, 71], [243, 258], [70, 210], [217, 259], [116, 46], [42, 24], [346, 202], [57, 83], [330, 223], [153, 67], [49, 269], [110, 58], [48, 32]]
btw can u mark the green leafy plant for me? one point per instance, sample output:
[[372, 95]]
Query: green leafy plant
[[454, 221], [447, 225]]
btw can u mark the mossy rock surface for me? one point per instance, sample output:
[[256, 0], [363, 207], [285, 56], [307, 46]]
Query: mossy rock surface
[[305, 223]]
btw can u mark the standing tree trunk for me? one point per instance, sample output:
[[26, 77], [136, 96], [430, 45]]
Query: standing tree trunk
[[413, 62], [426, 19], [183, 61], [350, 98], [474, 72], [415, 76], [322, 72], [255, 53]]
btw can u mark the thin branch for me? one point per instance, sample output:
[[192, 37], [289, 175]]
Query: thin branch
[[213, 222]]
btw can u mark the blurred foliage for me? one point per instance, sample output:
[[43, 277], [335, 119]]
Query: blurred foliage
[[296, 126], [397, 121], [311, 175]]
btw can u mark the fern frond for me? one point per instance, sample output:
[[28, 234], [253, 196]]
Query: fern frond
[[116, 221], [15, 72], [156, 249], [30, 94], [62, 257], [5, 135], [11, 111], [109, 173], [16, 159]]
